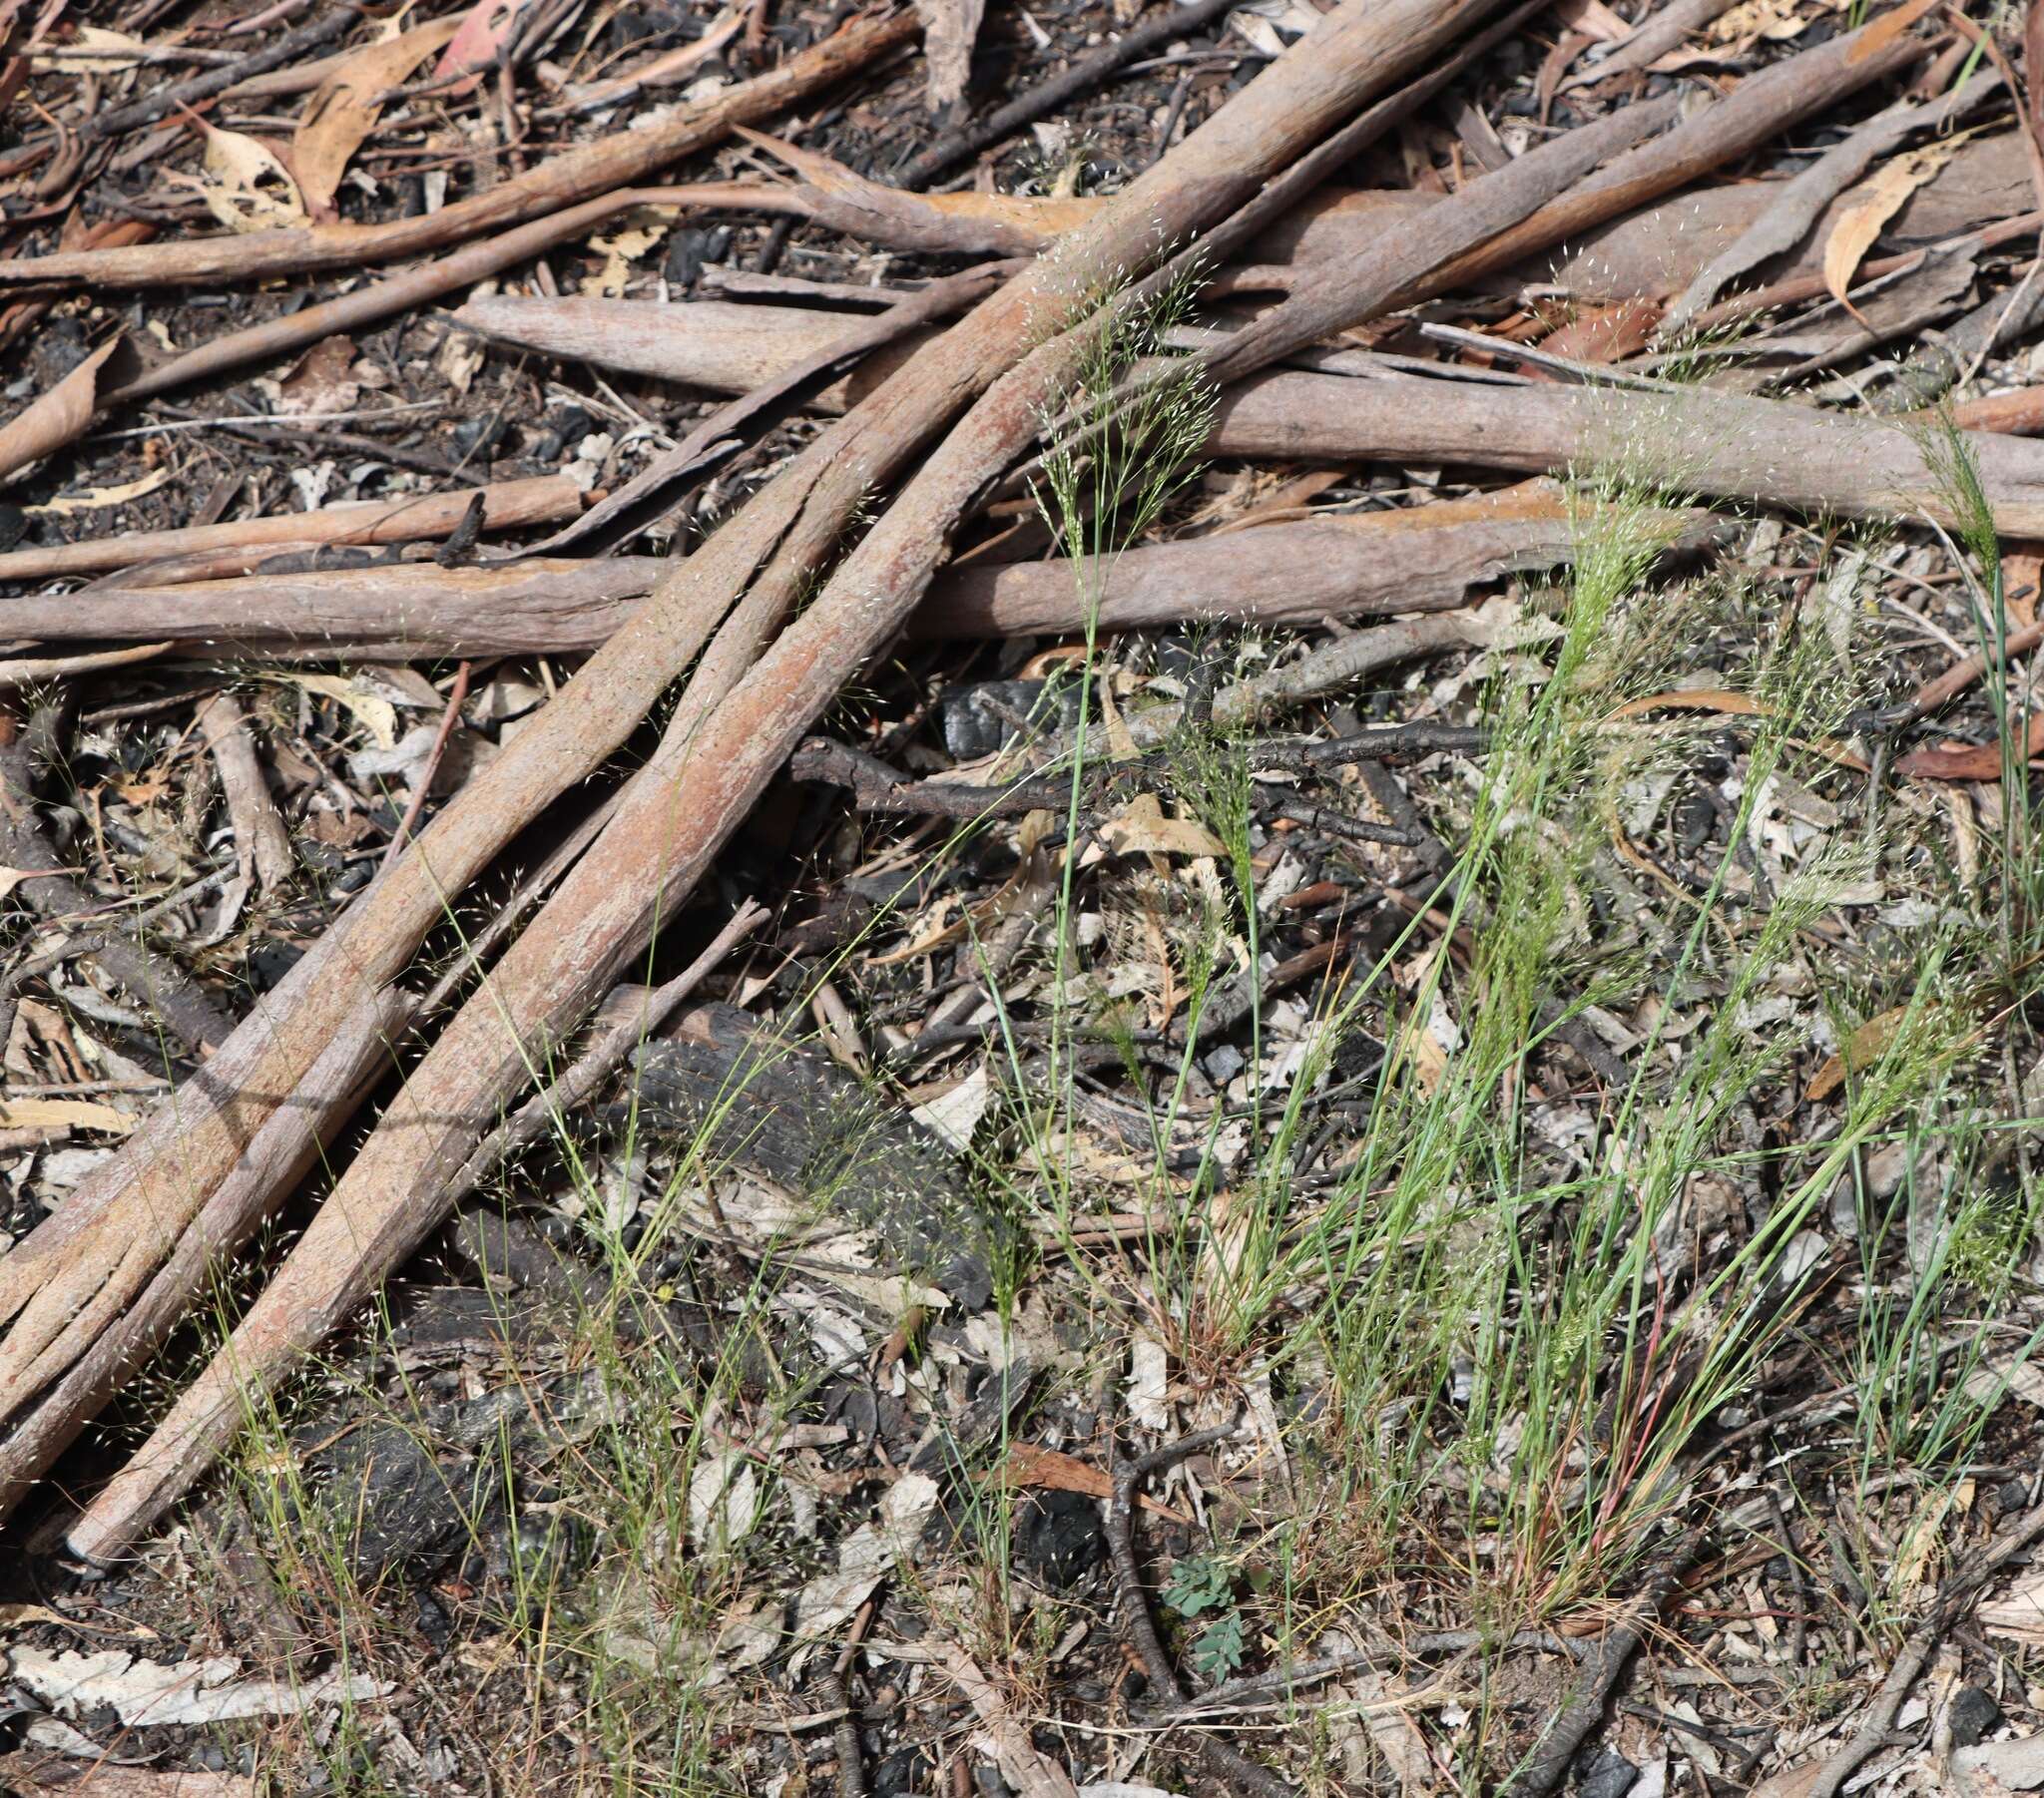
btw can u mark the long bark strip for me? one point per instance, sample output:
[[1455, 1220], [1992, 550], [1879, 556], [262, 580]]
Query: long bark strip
[[1758, 109], [666, 829], [1719, 446], [1360, 564], [1680, 440], [1355, 289], [507, 505], [280, 1153], [1346, 565], [619, 161]]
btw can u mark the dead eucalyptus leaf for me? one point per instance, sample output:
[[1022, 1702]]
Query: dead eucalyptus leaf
[[1594, 20], [347, 104], [57, 418], [1143, 828], [245, 185], [1967, 762], [474, 46], [1873, 205], [94, 497], [63, 1115], [1862, 1049]]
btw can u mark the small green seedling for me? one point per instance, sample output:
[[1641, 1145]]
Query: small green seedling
[[1202, 1583]]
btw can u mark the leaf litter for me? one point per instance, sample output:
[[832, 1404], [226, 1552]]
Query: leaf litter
[[1538, 1104]]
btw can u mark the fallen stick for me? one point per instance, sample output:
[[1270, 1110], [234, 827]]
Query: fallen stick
[[720, 344], [1722, 446], [285, 49], [507, 506], [1758, 109], [619, 161], [1801, 202], [273, 338], [39, 671], [730, 734], [1658, 34], [1351, 564], [1679, 440], [400, 611], [1548, 1765], [1956, 1593], [1329, 669], [1337, 565], [281, 1152], [616, 1038], [263, 846], [1354, 289]]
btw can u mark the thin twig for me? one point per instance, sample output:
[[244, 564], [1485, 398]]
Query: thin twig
[[1223, 1762], [455, 698], [1600, 1673]]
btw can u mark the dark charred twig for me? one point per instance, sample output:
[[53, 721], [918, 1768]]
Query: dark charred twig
[[1600, 1672], [655, 493], [1799, 1588], [876, 787], [286, 49], [1282, 1682], [851, 1778], [461, 541], [1171, 21], [1343, 824], [1224, 1763]]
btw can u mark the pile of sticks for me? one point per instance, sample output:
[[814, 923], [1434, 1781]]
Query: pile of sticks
[[978, 363]]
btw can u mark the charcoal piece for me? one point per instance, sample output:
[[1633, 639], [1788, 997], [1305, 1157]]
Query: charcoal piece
[[988, 715], [1058, 1539], [1606, 1775], [786, 1113], [1974, 1714]]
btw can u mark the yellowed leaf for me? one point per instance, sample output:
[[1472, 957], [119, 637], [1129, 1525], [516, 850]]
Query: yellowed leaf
[[94, 48], [376, 715], [63, 1113], [97, 497], [624, 247], [1872, 203], [245, 184], [1143, 828], [347, 104]]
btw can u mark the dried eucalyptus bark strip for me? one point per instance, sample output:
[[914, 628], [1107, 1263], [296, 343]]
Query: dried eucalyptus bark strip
[[678, 812]]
